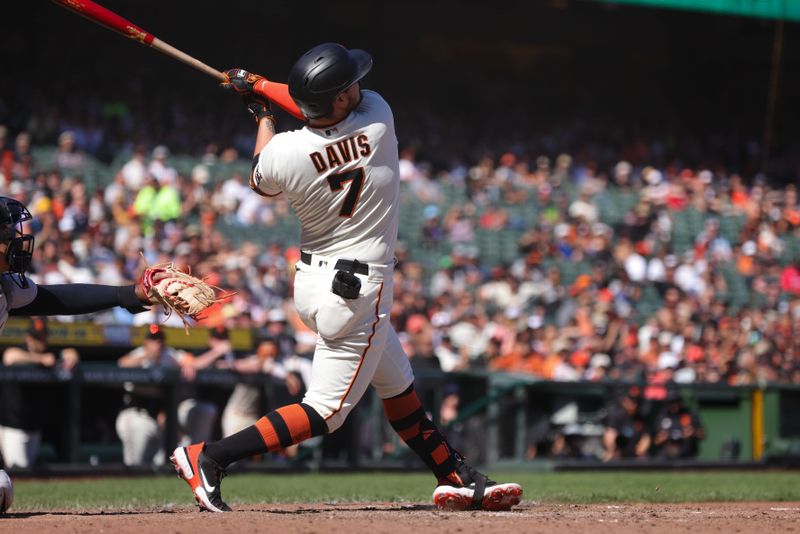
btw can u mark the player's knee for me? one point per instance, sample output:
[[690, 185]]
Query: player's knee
[[336, 421], [332, 417]]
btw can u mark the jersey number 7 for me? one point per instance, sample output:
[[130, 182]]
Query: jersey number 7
[[336, 183]]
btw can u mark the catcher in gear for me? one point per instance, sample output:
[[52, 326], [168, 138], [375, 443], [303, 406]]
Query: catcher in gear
[[341, 174], [20, 296]]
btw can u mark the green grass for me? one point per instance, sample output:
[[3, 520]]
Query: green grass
[[574, 487]]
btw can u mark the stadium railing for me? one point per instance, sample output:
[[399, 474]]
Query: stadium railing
[[498, 415]]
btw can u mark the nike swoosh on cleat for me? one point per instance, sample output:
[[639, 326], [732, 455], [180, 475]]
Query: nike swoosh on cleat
[[205, 482]]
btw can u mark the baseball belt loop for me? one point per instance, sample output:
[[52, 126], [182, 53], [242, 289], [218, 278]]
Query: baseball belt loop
[[354, 267]]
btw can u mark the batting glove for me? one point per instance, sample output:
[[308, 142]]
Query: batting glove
[[240, 81], [260, 110]]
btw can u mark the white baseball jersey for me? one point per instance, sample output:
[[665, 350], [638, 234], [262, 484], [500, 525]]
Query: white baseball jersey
[[342, 181], [12, 296]]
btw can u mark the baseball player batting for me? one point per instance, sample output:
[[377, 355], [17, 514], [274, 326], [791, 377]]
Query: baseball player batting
[[20, 296], [340, 173]]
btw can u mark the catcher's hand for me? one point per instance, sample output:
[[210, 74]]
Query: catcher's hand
[[242, 83], [186, 295]]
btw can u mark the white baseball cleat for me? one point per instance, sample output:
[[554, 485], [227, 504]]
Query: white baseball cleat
[[468, 489]]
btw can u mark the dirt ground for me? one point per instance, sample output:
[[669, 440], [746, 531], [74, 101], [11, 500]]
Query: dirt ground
[[378, 518]]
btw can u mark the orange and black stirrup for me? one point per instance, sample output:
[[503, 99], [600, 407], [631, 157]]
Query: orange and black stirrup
[[290, 425], [409, 420], [277, 430]]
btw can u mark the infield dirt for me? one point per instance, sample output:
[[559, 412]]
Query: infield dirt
[[378, 518]]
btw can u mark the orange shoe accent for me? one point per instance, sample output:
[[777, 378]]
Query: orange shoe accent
[[186, 461], [189, 473], [502, 498], [192, 452], [452, 502], [453, 479]]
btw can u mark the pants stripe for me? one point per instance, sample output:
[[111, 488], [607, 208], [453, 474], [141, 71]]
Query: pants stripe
[[363, 354]]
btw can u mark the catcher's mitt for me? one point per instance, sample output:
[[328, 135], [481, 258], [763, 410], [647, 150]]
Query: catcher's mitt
[[180, 292]]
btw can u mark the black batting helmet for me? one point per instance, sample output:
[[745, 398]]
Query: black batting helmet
[[322, 73], [19, 250]]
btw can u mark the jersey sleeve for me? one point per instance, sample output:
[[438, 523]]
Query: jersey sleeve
[[267, 174], [16, 296]]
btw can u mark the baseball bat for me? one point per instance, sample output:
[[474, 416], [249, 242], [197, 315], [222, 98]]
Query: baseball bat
[[104, 17], [276, 92]]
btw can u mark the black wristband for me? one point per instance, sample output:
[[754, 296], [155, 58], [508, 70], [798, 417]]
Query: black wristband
[[127, 298]]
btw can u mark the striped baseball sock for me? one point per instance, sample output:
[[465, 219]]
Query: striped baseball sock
[[409, 420], [277, 430]]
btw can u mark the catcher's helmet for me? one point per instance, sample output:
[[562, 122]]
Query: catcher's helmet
[[322, 73], [19, 249]]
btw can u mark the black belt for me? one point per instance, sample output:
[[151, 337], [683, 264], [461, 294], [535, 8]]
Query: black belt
[[341, 265]]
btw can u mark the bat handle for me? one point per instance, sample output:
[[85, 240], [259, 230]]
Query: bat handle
[[171, 51]]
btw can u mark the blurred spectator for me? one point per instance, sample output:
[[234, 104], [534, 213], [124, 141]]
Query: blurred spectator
[[135, 169], [626, 434], [69, 160], [23, 407], [454, 429], [790, 279], [140, 424], [678, 430], [244, 406], [277, 328], [159, 168]]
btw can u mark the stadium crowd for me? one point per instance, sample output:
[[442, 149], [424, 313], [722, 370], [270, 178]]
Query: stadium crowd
[[563, 258], [598, 288]]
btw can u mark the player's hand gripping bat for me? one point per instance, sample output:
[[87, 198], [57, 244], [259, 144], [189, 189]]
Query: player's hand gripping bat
[[276, 92]]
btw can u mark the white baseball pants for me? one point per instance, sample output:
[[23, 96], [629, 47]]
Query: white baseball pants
[[357, 345]]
